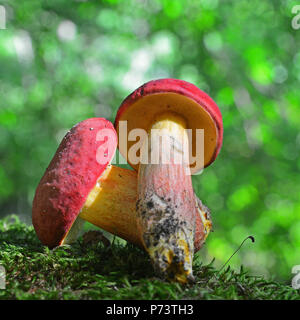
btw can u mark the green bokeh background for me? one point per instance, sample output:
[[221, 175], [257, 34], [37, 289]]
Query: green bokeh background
[[64, 61]]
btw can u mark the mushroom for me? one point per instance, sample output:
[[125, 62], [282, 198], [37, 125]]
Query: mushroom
[[166, 207], [81, 185]]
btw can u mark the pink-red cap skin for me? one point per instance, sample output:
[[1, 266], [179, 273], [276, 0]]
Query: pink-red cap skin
[[79, 161]]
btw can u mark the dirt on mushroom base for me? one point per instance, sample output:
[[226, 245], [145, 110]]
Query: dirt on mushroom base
[[166, 238]]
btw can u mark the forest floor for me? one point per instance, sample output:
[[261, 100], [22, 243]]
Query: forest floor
[[91, 269]]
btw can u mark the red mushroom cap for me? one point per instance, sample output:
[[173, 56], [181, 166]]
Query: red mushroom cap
[[199, 110], [81, 158]]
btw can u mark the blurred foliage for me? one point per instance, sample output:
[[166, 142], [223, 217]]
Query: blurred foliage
[[64, 61]]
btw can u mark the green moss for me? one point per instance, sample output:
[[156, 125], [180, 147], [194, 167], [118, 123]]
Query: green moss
[[93, 271]]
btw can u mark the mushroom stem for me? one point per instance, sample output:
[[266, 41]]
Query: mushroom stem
[[166, 207], [111, 204]]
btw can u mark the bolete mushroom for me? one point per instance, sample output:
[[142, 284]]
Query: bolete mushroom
[[81, 185], [166, 209]]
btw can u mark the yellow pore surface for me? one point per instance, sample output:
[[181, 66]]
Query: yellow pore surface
[[148, 110], [111, 204]]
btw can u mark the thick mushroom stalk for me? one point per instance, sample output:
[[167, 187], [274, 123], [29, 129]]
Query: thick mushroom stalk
[[166, 204]]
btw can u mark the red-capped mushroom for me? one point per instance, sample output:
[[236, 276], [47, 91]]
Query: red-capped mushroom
[[80, 185], [166, 209]]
